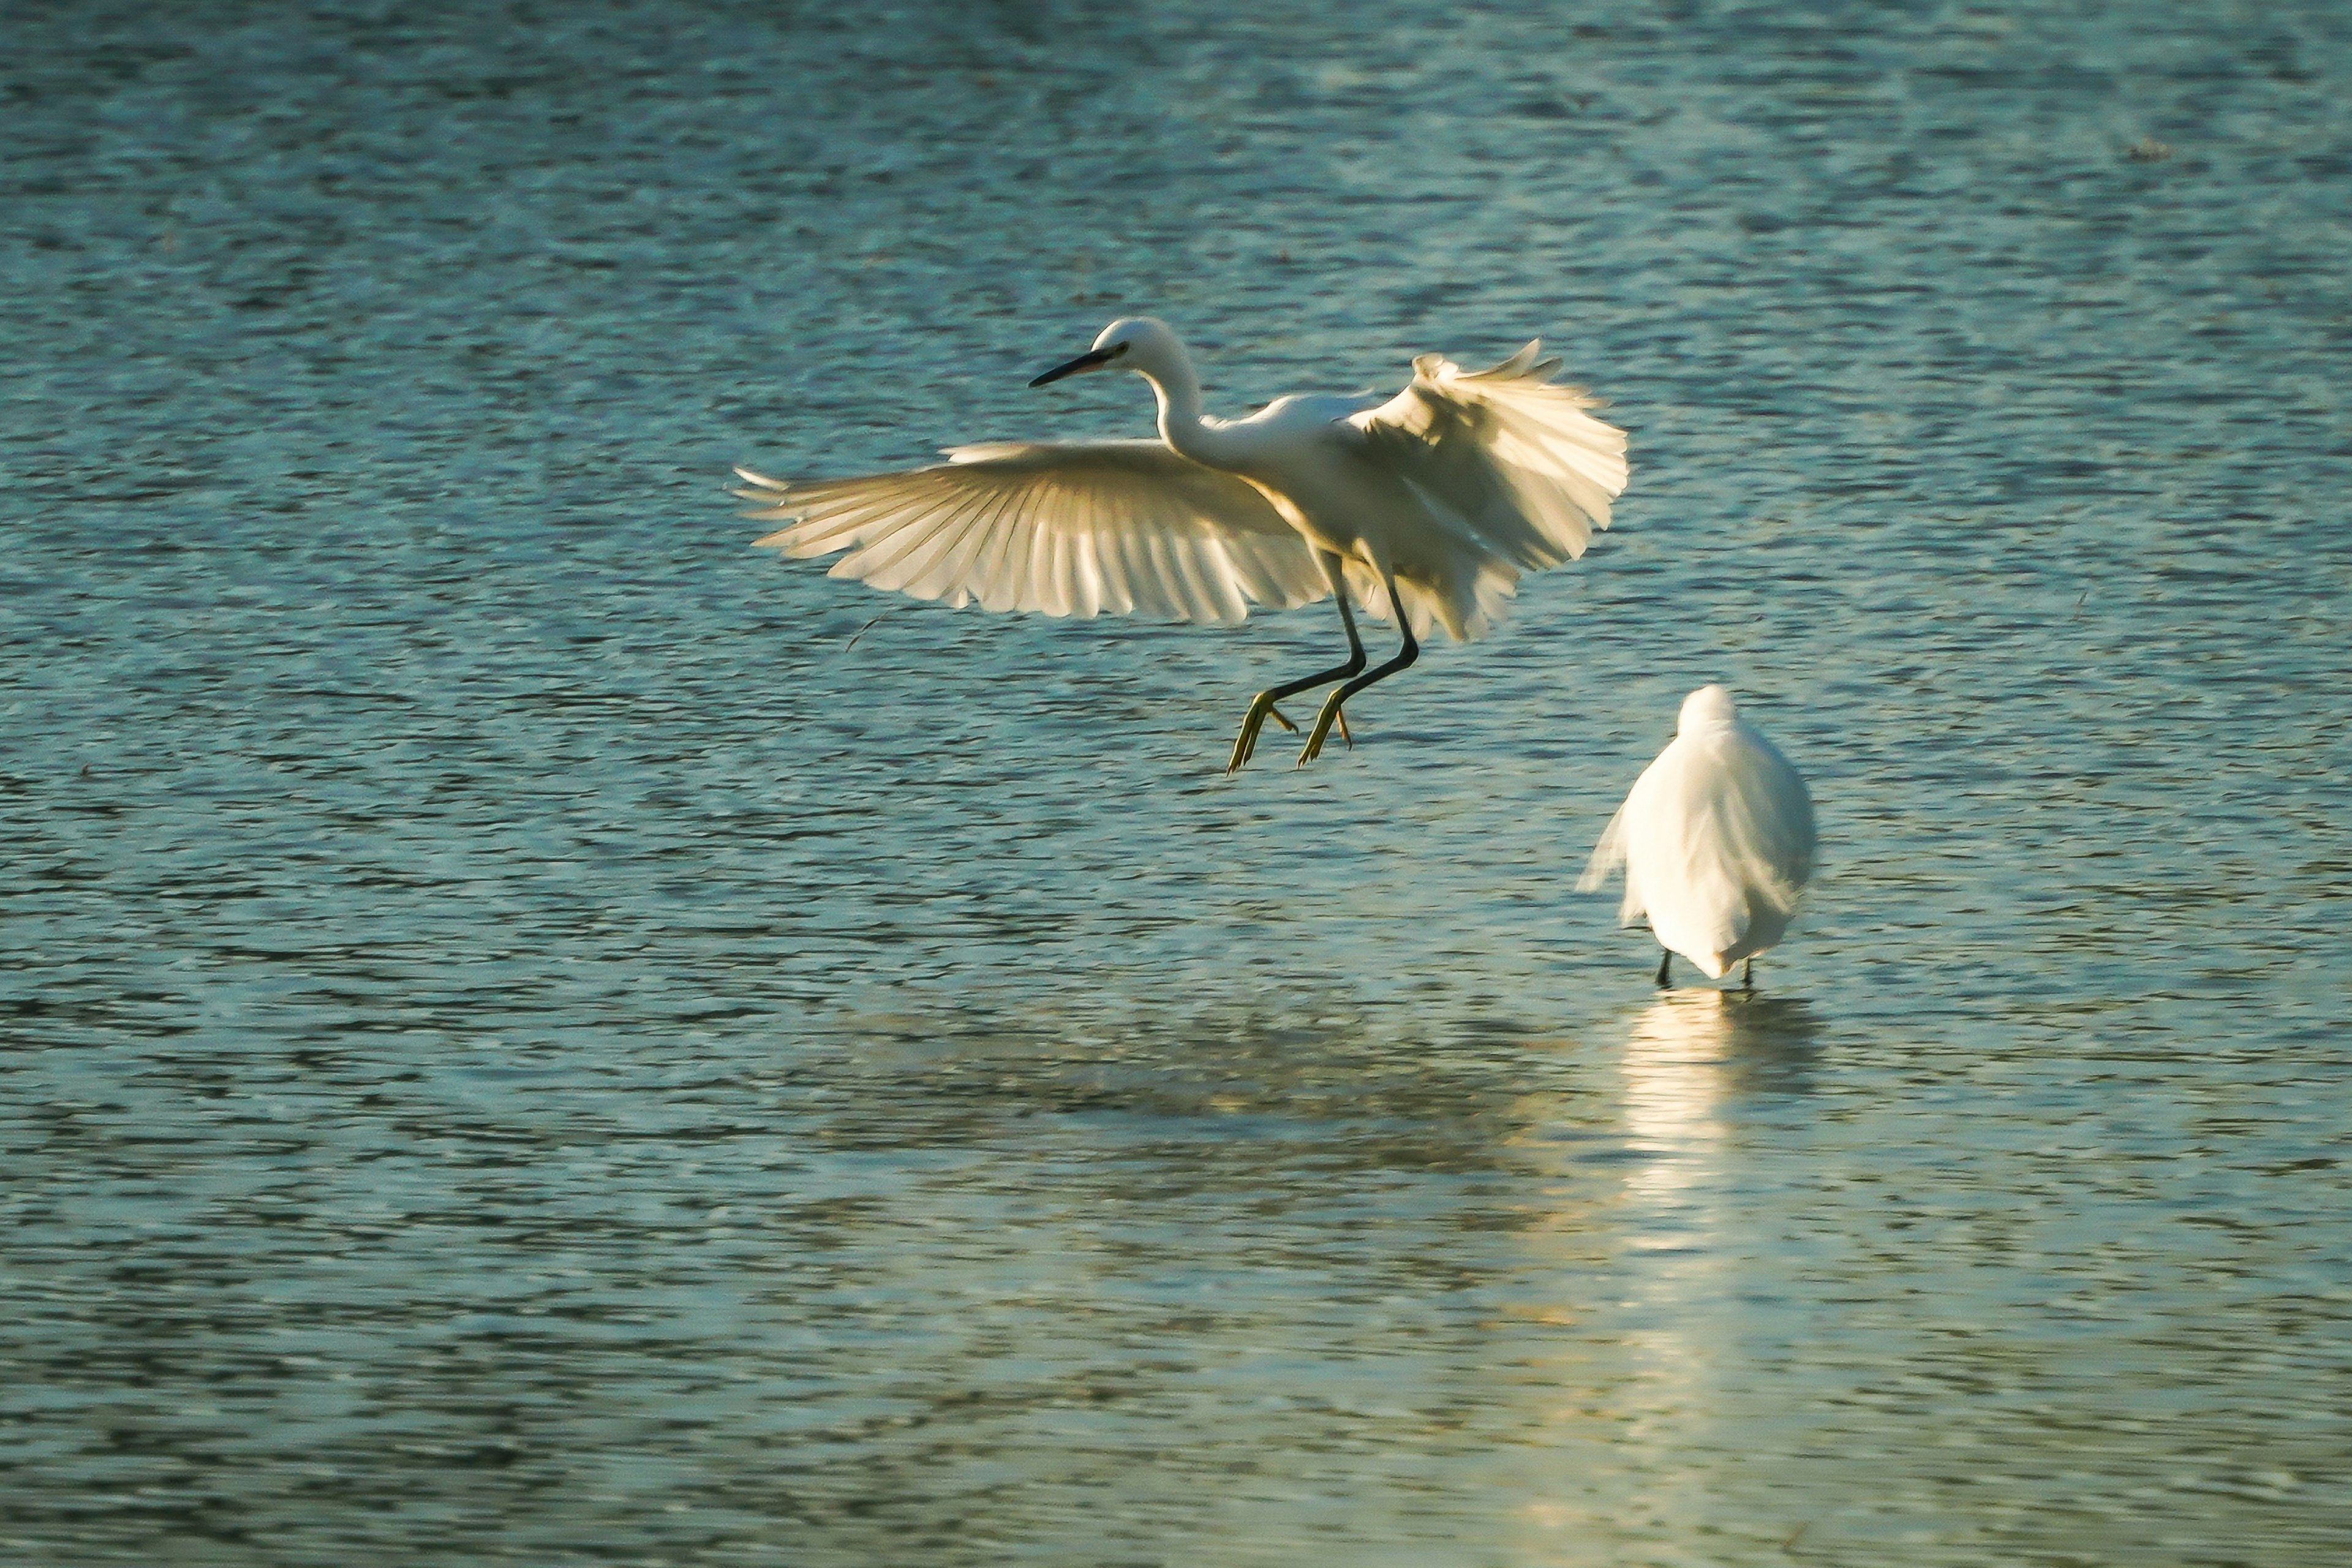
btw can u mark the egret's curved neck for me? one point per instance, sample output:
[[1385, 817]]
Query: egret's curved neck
[[1181, 424]]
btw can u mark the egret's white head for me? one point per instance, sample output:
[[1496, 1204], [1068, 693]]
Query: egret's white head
[[1144, 344], [1708, 705]]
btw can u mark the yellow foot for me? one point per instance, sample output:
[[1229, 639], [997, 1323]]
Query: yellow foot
[[1260, 707], [1322, 730]]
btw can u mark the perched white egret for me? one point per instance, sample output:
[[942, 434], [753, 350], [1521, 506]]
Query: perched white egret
[[1716, 840], [1436, 500]]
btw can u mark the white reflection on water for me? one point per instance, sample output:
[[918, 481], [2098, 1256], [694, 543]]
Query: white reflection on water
[[1656, 1266], [1675, 1085], [1673, 1067], [1686, 1058]]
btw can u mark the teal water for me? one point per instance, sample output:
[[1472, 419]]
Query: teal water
[[518, 1043]]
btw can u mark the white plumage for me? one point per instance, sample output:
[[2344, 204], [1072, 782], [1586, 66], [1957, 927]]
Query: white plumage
[[1715, 840], [1439, 498], [1062, 528]]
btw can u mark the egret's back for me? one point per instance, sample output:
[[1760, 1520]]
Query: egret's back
[[1717, 839]]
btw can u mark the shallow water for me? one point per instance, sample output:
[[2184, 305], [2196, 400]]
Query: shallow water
[[524, 1045]]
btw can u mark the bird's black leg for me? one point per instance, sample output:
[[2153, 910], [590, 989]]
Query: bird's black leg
[[1263, 704], [1747, 977], [1332, 704], [1666, 957]]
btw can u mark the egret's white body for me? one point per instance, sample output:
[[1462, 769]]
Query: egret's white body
[[1715, 838], [1435, 500]]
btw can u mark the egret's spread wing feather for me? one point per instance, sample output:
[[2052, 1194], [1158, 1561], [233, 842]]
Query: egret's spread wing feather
[[1511, 454], [1064, 529]]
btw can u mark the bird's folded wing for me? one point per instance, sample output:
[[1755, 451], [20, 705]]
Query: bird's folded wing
[[1068, 529], [1507, 451], [1768, 820]]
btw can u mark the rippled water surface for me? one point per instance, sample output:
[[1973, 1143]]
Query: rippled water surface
[[523, 1045]]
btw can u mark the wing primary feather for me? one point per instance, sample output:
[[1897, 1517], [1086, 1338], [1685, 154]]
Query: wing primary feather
[[1065, 529], [823, 530], [1093, 574], [1047, 590], [953, 571], [1024, 555], [900, 556], [933, 540], [988, 570]]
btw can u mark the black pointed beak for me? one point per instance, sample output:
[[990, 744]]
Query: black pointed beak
[[1093, 359]]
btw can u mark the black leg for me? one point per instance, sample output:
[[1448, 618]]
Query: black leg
[[1263, 704], [1337, 700], [1747, 977], [1666, 957]]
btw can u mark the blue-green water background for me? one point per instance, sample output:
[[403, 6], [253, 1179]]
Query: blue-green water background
[[523, 1045]]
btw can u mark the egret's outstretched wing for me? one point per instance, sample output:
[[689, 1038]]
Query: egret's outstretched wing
[[1069, 529], [1505, 451]]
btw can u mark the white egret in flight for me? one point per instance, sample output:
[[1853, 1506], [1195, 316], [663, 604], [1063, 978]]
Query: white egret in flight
[[1716, 840], [1435, 500]]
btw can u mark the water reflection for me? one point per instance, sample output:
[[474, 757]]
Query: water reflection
[[1689, 1062], [1693, 1047], [1673, 1067], [1311, 1243]]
